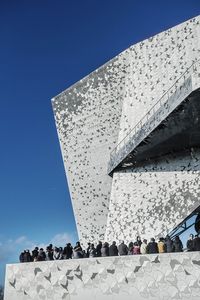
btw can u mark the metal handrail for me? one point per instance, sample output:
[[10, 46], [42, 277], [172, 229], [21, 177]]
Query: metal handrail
[[115, 150]]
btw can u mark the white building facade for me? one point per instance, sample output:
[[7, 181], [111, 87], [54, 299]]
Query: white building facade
[[103, 121]]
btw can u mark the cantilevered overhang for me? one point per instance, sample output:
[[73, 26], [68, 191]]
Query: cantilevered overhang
[[172, 125], [179, 132]]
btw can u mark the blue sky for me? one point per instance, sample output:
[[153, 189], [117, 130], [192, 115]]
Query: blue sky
[[45, 46]]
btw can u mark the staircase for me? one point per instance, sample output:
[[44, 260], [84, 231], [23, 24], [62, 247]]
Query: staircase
[[178, 92]]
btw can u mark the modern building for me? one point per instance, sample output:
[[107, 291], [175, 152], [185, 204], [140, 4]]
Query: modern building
[[130, 139], [129, 135]]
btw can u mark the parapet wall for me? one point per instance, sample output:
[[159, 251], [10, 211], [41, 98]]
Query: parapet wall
[[153, 277]]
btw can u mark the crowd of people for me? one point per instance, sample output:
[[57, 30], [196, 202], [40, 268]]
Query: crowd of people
[[164, 245]]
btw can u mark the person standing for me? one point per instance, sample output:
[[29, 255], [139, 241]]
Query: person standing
[[196, 243], [35, 254], [169, 244], [41, 255], [68, 251], [105, 249], [113, 251], [190, 243], [98, 249], [56, 254], [136, 248], [49, 253], [123, 249], [21, 257], [92, 251], [161, 245], [177, 245], [27, 256], [143, 247], [78, 252], [130, 248], [152, 247]]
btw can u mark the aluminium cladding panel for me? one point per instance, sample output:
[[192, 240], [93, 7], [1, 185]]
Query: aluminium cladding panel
[[87, 118], [153, 66], [152, 200], [154, 277]]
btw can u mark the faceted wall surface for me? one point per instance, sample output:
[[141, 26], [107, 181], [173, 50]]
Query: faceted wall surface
[[152, 200], [96, 113], [154, 65], [87, 119], [156, 277]]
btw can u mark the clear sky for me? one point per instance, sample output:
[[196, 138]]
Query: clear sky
[[45, 46]]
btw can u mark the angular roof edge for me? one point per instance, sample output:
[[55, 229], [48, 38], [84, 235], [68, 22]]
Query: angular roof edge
[[99, 69]]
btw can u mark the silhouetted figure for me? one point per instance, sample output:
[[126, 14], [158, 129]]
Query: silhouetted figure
[[177, 245], [98, 249], [78, 252], [35, 254], [196, 243], [168, 244], [123, 249], [21, 257], [105, 249], [68, 251], [27, 256], [152, 247], [113, 251], [49, 253], [92, 251], [41, 255], [87, 250], [190, 243]]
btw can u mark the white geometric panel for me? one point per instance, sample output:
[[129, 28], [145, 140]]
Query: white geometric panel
[[154, 277]]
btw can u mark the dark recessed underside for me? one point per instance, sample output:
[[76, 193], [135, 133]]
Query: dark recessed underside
[[179, 132]]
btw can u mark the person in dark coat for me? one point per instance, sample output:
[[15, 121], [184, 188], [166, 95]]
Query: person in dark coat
[[41, 255], [190, 243], [123, 249], [92, 251], [196, 243], [49, 253], [113, 251], [98, 249], [105, 249], [168, 245], [177, 245], [35, 254], [27, 256], [78, 251], [21, 257], [152, 247], [68, 251]]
